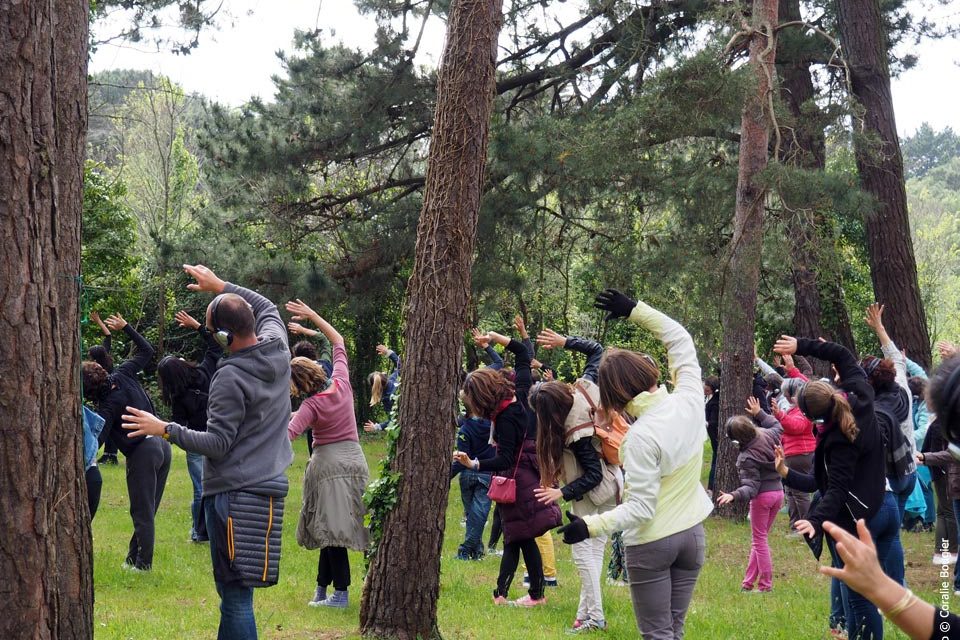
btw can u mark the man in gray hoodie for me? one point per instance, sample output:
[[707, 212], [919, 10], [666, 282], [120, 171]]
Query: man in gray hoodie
[[246, 447]]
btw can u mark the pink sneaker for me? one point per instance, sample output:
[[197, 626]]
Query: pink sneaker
[[527, 601], [500, 600]]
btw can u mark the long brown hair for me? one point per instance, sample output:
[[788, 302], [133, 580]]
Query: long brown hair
[[378, 383], [306, 377], [624, 375], [484, 390], [551, 402], [820, 401]]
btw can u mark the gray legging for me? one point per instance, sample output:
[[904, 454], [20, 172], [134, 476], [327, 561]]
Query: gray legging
[[662, 576], [946, 523]]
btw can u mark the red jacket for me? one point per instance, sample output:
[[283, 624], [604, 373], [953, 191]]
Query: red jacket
[[797, 436]]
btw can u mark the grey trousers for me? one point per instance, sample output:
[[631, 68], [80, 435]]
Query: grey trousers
[[662, 576], [798, 502], [946, 522]]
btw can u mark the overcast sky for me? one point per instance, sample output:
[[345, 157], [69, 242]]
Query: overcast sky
[[237, 61]]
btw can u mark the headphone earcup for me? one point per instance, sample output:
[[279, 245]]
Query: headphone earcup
[[223, 338]]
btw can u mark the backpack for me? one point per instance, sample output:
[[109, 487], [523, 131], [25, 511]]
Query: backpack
[[610, 432], [895, 444]]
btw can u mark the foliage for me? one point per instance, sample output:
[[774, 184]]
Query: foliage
[[927, 149], [381, 495]]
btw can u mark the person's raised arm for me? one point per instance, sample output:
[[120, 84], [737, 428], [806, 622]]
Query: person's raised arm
[[482, 341], [302, 311], [550, 339], [852, 377], [914, 370], [394, 357], [143, 350], [874, 319], [521, 364], [681, 352], [265, 313], [107, 337], [214, 351]]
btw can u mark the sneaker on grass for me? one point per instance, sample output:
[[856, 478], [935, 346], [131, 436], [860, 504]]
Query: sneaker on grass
[[528, 602], [318, 597], [581, 626]]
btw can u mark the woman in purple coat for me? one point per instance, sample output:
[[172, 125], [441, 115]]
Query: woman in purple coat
[[489, 394]]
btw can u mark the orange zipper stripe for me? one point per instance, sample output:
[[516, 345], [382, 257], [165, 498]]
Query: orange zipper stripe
[[266, 555], [230, 549]]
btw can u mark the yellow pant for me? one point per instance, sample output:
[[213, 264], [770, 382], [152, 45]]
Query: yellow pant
[[545, 544]]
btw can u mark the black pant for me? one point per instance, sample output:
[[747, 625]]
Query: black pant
[[510, 560], [334, 567], [496, 528], [147, 469], [94, 484], [109, 448], [308, 434]]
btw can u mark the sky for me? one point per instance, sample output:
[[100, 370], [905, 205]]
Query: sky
[[236, 61]]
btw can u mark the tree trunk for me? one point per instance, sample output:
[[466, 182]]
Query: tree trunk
[[45, 544], [893, 267], [813, 256], [393, 604], [742, 276]]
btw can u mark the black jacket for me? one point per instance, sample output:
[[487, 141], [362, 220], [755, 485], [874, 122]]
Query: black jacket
[[125, 391], [849, 475], [517, 422], [190, 407], [589, 460], [590, 348], [473, 438], [712, 411]]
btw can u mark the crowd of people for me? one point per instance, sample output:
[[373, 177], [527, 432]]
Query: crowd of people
[[856, 456]]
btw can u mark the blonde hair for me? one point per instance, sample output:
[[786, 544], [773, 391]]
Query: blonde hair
[[378, 382], [306, 377]]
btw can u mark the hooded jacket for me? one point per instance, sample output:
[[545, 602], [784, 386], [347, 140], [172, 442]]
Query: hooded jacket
[[755, 461], [246, 441], [798, 436], [473, 438]]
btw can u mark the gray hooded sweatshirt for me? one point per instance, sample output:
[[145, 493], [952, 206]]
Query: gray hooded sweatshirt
[[248, 408], [755, 462]]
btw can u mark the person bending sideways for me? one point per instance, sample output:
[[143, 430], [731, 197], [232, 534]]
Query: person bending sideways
[[245, 446]]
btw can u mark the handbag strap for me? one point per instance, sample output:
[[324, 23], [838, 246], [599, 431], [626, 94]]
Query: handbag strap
[[519, 455]]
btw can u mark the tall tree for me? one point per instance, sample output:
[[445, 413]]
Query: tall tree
[[393, 605], [742, 274], [893, 267], [45, 543]]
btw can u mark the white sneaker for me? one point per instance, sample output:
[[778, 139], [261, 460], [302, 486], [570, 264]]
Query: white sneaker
[[939, 559], [949, 558]]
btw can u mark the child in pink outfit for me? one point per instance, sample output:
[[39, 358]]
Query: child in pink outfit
[[760, 484]]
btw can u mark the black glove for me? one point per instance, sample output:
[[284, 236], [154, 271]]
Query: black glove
[[574, 532], [615, 304]]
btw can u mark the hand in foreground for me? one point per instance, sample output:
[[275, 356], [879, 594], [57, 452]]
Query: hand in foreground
[[480, 339], [805, 529], [861, 570], [370, 426], [302, 311], [779, 461], [116, 322], [786, 346], [206, 279], [724, 498], [142, 423], [946, 349], [615, 304], [186, 321], [463, 458], [546, 495], [753, 406], [550, 339], [574, 532]]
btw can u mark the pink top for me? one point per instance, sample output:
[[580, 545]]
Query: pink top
[[330, 412], [797, 435]]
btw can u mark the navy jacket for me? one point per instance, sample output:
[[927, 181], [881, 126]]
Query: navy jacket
[[473, 438]]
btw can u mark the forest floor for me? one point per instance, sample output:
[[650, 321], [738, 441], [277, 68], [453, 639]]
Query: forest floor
[[177, 600]]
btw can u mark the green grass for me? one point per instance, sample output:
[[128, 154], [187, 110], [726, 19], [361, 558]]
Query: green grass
[[177, 599]]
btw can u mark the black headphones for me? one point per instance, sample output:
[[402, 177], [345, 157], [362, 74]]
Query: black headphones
[[223, 337]]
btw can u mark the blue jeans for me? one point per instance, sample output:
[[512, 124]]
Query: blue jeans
[[885, 528], [236, 602], [195, 470], [902, 488], [476, 504]]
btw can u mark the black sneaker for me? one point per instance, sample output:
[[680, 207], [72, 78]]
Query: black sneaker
[[108, 458]]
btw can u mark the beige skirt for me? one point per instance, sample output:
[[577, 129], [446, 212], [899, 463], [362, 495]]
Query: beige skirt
[[333, 510]]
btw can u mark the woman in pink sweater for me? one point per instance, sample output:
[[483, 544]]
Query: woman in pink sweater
[[332, 515], [798, 441]]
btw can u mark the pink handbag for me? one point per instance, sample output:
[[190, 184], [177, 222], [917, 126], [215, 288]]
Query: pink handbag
[[503, 490]]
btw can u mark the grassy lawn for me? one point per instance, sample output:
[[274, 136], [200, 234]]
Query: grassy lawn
[[178, 600]]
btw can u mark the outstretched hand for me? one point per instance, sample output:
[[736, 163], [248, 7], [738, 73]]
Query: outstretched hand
[[298, 329], [861, 569], [779, 461], [116, 322], [574, 532], [753, 406], [874, 316], [785, 346], [95, 316], [302, 311], [550, 339], [946, 349], [520, 326], [186, 321], [724, 498], [480, 339], [142, 423], [616, 304], [206, 279], [382, 349]]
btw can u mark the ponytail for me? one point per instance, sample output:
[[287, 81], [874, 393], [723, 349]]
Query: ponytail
[[843, 417], [376, 391]]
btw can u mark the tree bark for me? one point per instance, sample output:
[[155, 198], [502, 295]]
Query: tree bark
[[393, 604], [45, 543], [893, 267], [819, 308], [742, 277]]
